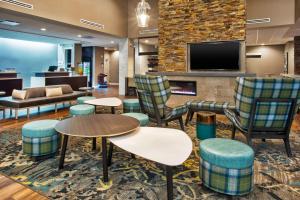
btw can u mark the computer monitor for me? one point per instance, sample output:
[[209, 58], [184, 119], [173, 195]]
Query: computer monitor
[[52, 68]]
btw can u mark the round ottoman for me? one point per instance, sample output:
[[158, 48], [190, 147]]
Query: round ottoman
[[81, 100], [82, 109], [144, 119], [226, 166], [40, 138], [131, 105]]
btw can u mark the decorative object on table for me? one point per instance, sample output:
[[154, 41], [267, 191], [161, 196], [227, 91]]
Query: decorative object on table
[[131, 105], [265, 108], [93, 126], [81, 100], [206, 125], [153, 93], [169, 147], [40, 138], [226, 166], [111, 102], [142, 13]]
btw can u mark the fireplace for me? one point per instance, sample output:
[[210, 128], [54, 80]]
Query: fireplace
[[188, 88]]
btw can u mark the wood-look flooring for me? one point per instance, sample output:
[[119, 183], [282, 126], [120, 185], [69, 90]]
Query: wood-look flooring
[[11, 190]]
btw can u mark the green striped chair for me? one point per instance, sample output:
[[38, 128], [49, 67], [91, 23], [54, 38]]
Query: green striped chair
[[265, 108], [153, 93]]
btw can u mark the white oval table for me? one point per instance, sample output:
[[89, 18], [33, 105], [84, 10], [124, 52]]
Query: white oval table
[[170, 147], [110, 102]]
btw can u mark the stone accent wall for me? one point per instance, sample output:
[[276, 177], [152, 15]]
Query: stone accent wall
[[192, 21]]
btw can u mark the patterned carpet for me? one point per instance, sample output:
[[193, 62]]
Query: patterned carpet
[[276, 175]]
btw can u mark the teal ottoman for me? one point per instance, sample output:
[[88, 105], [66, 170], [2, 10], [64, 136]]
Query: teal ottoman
[[131, 105], [40, 138], [81, 100], [144, 119], [226, 166], [82, 109]]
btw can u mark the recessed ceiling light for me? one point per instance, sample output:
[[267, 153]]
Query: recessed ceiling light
[[79, 36], [263, 44], [112, 42], [146, 41], [43, 29]]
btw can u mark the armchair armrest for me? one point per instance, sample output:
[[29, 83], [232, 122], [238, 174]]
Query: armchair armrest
[[232, 116]]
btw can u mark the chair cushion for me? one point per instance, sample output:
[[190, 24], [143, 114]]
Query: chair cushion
[[82, 109], [143, 118], [209, 105], [39, 129], [131, 105], [226, 153], [81, 100]]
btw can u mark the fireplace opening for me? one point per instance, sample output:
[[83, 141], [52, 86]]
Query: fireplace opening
[[188, 88]]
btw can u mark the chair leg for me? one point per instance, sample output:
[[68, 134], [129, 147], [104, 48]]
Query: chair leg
[[110, 153], [233, 132], [181, 123], [191, 116], [187, 117], [263, 140], [287, 147], [249, 141]]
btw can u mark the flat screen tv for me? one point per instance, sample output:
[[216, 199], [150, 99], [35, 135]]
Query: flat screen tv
[[215, 56]]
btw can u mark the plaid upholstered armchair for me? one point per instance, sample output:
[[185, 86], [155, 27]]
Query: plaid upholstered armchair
[[265, 108], [153, 93]]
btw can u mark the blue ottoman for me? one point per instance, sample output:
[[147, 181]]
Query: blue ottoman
[[131, 105], [144, 119], [40, 138], [81, 100], [226, 166], [82, 109]]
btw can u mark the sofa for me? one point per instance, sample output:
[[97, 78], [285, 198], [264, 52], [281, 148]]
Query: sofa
[[36, 97]]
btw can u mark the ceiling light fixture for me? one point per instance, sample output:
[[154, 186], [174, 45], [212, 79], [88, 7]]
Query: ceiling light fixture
[[146, 41], [79, 36], [43, 29], [112, 42], [142, 13]]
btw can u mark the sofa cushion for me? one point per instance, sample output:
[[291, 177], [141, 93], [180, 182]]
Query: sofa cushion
[[19, 94], [66, 89], [53, 92], [35, 92]]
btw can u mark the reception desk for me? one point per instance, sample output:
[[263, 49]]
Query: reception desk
[[74, 81], [9, 84], [51, 74], [8, 74]]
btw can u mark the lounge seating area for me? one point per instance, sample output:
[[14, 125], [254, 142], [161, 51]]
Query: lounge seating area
[[150, 100]]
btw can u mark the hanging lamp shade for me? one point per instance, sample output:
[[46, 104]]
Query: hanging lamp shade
[[142, 14]]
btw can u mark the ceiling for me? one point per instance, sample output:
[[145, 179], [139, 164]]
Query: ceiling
[[59, 33]]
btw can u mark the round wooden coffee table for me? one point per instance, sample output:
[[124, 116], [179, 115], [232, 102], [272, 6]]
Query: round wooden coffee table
[[93, 126]]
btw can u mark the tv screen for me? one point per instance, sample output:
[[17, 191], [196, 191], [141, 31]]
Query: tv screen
[[215, 56]]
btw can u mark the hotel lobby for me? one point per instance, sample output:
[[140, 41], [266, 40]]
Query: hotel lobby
[[149, 99]]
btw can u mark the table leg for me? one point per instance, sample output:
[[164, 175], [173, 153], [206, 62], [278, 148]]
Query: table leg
[[113, 110], [110, 152], [169, 174], [94, 143], [104, 160], [63, 152]]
